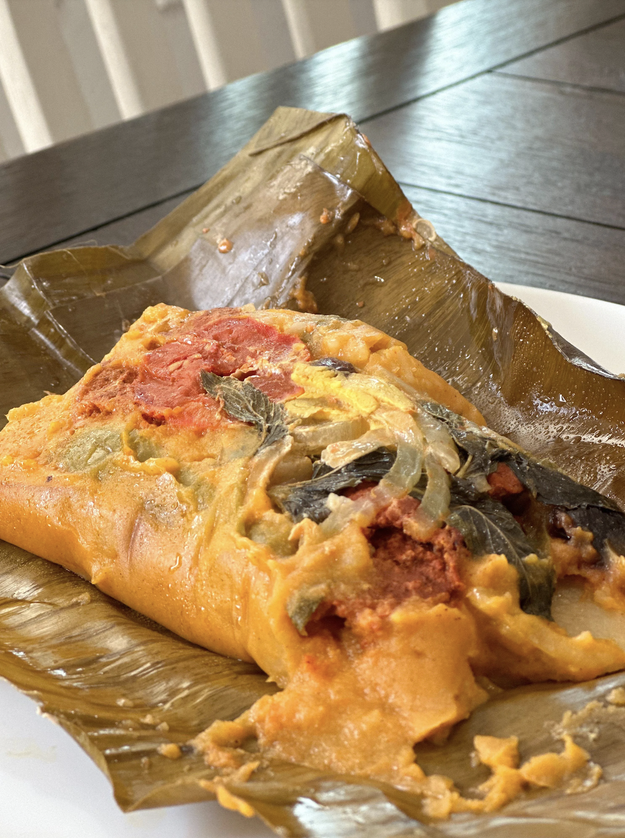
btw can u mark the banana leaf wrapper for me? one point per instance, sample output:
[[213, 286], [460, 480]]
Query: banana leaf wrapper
[[285, 211]]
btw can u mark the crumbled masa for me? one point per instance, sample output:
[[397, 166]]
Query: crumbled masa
[[616, 697], [224, 796], [587, 722], [170, 750], [548, 770], [572, 769]]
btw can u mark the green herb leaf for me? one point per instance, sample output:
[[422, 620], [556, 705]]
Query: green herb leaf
[[248, 404], [488, 527], [588, 508], [544, 481], [554, 487], [484, 447], [308, 498]]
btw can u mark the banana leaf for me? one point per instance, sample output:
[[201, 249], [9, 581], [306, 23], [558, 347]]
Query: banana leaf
[[287, 206]]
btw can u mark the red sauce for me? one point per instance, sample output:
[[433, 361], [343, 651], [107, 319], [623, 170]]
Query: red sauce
[[166, 386]]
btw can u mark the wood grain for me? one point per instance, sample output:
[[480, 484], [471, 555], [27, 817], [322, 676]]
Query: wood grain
[[596, 59], [126, 230], [84, 183], [514, 141], [529, 248]]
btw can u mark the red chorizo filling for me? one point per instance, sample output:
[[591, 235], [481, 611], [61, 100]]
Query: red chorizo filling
[[503, 482], [403, 567]]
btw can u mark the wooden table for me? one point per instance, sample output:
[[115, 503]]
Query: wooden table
[[496, 118]]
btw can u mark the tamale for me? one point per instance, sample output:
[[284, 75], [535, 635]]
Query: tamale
[[297, 491]]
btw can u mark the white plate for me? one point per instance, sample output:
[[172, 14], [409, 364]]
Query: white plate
[[49, 787], [594, 326]]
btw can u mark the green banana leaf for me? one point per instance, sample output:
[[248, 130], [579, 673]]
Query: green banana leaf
[[288, 202]]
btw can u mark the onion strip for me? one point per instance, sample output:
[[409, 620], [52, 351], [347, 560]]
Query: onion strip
[[434, 506]]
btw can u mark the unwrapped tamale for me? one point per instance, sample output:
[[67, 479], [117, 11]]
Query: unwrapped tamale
[[298, 491]]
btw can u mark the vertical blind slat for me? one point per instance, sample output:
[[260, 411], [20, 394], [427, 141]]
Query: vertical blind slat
[[206, 43], [116, 61], [390, 13], [19, 88], [300, 29]]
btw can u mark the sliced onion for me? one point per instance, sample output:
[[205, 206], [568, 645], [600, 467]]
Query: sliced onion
[[263, 466], [436, 434], [344, 511], [406, 469], [293, 468], [480, 481], [314, 438], [398, 430], [439, 441], [417, 440], [408, 389], [409, 440], [361, 511], [338, 454], [434, 506]]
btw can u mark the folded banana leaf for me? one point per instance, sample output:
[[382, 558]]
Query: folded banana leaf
[[307, 207]]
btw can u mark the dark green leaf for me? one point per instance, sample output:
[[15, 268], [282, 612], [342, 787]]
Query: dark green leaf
[[246, 403], [543, 480], [483, 447], [335, 364], [554, 487], [463, 492], [487, 527], [588, 508], [308, 498]]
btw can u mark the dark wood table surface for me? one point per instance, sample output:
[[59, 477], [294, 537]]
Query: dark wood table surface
[[503, 121]]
